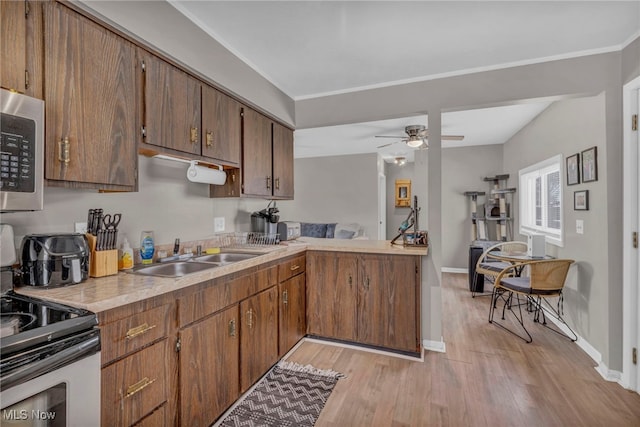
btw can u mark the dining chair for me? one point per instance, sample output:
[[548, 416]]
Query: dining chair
[[490, 267], [545, 279]]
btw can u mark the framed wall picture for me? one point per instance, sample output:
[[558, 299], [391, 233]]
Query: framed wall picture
[[590, 164], [403, 193], [581, 200], [573, 169]]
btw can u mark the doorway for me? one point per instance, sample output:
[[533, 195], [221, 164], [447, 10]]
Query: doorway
[[631, 254]]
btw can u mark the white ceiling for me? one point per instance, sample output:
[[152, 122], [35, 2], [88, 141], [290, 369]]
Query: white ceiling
[[315, 48]]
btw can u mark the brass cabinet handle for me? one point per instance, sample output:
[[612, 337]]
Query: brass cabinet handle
[[250, 318], [194, 135], [138, 330], [278, 183], [268, 182], [295, 267], [209, 138], [350, 280], [64, 150], [285, 297], [232, 327], [366, 283], [139, 386]]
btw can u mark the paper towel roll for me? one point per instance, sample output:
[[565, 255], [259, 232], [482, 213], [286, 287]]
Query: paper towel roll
[[205, 175]]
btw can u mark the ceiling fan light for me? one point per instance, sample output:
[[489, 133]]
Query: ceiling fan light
[[414, 142]]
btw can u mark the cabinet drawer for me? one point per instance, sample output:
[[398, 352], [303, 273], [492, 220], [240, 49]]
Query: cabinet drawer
[[223, 293], [291, 267], [132, 333], [134, 386]]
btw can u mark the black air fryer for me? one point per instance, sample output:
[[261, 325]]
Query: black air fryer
[[54, 259]]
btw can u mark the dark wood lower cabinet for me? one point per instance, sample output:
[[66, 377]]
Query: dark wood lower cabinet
[[365, 298], [258, 336], [331, 296], [209, 360], [293, 315]]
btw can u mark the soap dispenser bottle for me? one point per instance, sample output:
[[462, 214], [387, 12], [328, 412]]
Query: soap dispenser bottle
[[146, 247], [126, 257]]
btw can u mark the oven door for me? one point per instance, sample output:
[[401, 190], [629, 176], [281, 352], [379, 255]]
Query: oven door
[[67, 396]]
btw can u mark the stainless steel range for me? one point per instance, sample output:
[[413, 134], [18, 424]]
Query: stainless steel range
[[49, 362]]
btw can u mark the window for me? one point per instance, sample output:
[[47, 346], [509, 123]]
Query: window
[[541, 199]]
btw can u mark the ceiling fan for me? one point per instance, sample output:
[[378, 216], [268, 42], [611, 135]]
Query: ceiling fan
[[417, 137]]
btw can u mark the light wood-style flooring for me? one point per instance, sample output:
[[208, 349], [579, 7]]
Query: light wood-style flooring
[[487, 377]]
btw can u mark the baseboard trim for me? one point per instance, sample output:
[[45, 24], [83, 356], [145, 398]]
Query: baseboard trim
[[438, 346], [454, 270], [601, 368]]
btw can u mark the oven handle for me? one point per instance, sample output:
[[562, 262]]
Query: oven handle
[[64, 357]]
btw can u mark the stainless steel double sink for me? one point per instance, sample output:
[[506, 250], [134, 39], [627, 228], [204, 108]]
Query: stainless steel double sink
[[193, 265]]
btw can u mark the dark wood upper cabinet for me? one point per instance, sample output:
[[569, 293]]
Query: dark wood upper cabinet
[[221, 126], [91, 105], [171, 107], [267, 158], [282, 162], [13, 45], [256, 155]]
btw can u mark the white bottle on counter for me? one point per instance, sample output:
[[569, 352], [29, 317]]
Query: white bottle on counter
[[126, 256]]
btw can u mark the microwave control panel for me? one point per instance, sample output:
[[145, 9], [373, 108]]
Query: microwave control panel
[[17, 154]]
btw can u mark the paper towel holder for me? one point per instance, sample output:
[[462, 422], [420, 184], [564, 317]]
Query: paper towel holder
[[206, 175], [198, 171]]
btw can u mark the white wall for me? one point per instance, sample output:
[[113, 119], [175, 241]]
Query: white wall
[[569, 127], [395, 215], [464, 169], [166, 203], [335, 189]]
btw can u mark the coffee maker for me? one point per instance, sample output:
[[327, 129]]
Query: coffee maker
[[266, 220]]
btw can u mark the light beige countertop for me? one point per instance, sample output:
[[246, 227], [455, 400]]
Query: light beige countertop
[[105, 293]]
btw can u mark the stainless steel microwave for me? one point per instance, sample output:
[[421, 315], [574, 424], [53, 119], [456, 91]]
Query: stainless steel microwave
[[21, 152]]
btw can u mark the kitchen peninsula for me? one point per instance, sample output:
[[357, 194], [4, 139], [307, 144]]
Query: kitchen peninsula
[[180, 351]]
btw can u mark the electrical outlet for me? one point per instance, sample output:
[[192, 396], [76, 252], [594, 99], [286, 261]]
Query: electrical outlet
[[80, 227], [579, 226], [218, 224]]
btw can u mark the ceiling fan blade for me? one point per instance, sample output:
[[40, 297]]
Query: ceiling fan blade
[[389, 136], [386, 145]]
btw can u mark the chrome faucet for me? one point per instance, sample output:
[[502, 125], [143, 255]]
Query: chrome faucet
[[176, 247]]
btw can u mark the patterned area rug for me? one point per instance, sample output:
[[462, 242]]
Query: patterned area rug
[[289, 395]]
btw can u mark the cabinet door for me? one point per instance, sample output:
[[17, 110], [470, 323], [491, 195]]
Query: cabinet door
[[259, 336], [282, 161], [256, 154], [13, 45], [209, 377], [292, 319], [331, 295], [221, 126], [172, 107], [90, 102], [387, 301]]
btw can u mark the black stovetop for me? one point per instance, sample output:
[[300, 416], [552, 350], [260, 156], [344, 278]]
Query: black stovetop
[[26, 322]]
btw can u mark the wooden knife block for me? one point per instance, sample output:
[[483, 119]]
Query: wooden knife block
[[102, 263]]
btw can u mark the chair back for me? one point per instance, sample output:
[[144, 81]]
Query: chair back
[[548, 275], [510, 247]]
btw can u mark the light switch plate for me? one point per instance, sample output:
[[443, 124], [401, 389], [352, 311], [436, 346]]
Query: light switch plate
[[579, 226], [218, 224]]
